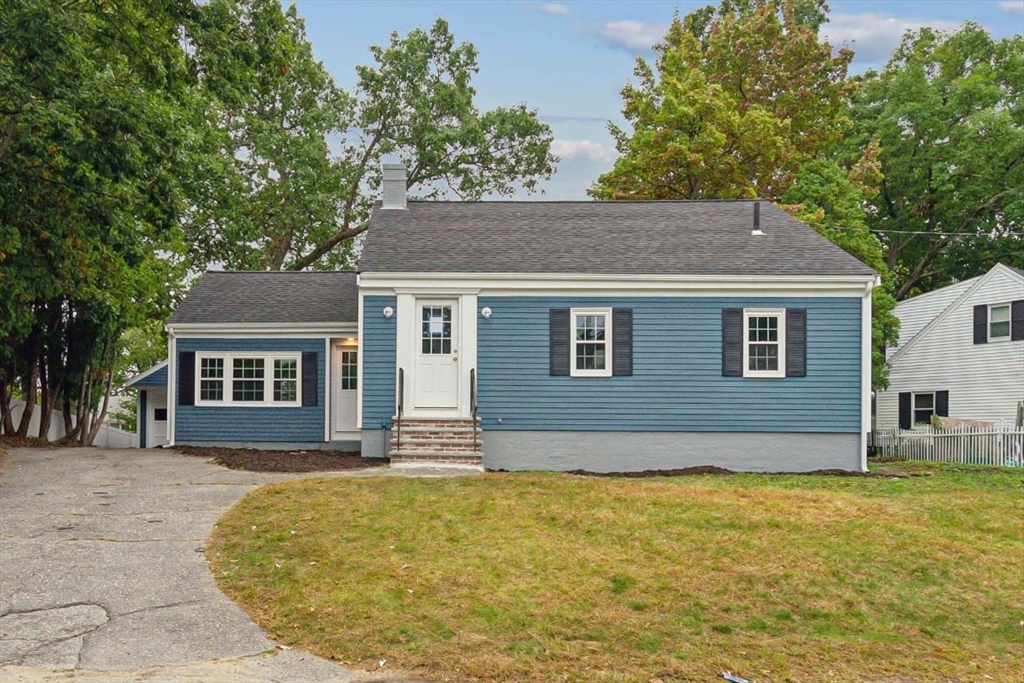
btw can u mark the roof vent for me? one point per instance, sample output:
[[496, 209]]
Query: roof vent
[[394, 186], [757, 220]]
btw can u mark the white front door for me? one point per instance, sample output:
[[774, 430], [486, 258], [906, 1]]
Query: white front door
[[345, 380], [437, 354], [157, 418]]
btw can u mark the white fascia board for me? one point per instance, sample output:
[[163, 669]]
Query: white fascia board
[[143, 375], [508, 284], [866, 357], [239, 330]]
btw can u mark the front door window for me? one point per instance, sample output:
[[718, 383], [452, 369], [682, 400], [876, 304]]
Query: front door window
[[437, 330]]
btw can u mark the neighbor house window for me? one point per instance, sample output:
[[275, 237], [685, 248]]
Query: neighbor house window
[[248, 379], [999, 322], [924, 408], [591, 342], [764, 345]]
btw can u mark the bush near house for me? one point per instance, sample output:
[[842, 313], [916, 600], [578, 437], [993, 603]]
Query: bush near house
[[915, 573]]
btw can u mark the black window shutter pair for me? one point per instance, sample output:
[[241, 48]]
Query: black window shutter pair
[[1016, 322], [187, 378], [732, 342], [907, 408], [560, 338]]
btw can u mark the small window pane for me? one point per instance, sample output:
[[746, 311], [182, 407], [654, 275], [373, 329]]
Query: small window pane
[[924, 401], [211, 368], [160, 414], [248, 368], [211, 390], [247, 390], [285, 368], [285, 390], [349, 370], [436, 330]]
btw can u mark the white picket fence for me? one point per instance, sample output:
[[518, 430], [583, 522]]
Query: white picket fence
[[1000, 445]]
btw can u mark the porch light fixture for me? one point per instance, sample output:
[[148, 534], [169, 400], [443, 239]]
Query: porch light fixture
[[485, 312], [388, 311]]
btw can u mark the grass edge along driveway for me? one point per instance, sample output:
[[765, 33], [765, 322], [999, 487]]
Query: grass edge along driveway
[[553, 577]]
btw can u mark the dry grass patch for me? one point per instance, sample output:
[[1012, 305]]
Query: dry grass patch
[[547, 577]]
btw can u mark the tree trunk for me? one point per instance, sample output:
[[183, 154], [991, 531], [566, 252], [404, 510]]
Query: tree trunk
[[29, 391], [98, 420], [6, 420], [69, 423], [44, 400]]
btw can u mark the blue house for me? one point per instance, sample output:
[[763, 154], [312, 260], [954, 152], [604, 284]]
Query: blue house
[[603, 336]]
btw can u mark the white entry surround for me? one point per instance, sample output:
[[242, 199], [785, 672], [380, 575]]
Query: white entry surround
[[437, 383], [345, 382]]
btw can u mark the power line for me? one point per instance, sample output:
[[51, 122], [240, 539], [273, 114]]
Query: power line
[[893, 231]]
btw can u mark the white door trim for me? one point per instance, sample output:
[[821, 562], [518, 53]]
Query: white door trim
[[350, 397], [463, 339]]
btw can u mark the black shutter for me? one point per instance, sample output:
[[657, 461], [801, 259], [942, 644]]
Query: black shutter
[[310, 378], [796, 342], [187, 378], [1017, 320], [732, 342], [622, 341], [559, 341], [980, 324], [906, 418], [942, 403]]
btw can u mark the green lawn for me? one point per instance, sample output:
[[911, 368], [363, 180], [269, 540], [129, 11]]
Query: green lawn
[[549, 577]]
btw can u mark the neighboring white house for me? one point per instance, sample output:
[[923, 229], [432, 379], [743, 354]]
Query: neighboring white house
[[961, 353]]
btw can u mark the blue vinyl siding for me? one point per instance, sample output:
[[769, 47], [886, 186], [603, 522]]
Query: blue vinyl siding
[[677, 382], [290, 424], [378, 347], [158, 380]]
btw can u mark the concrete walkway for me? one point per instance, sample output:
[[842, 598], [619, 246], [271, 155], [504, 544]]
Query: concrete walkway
[[103, 577]]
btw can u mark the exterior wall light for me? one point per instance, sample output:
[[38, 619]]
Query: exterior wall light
[[485, 312], [388, 311]]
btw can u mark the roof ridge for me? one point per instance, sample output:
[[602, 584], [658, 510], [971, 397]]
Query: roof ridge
[[592, 202], [278, 272]]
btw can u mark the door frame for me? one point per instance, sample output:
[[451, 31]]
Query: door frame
[[337, 347], [464, 339]]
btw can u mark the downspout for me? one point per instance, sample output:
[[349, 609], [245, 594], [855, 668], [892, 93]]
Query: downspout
[[865, 369], [172, 385]]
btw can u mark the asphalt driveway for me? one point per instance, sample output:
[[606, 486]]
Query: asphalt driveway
[[103, 577]]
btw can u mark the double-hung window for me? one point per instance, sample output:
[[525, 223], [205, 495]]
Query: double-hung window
[[924, 408], [591, 344], [764, 342], [999, 322], [248, 379]]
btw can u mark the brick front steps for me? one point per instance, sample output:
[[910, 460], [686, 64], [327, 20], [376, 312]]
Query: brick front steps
[[433, 443]]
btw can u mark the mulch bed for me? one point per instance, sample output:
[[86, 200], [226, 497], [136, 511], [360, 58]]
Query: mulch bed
[[253, 460]]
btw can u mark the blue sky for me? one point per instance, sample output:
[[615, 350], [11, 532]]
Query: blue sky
[[568, 60]]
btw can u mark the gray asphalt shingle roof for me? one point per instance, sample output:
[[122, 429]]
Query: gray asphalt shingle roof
[[612, 238], [270, 297]]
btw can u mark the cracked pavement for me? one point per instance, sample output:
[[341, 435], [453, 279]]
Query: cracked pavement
[[102, 574]]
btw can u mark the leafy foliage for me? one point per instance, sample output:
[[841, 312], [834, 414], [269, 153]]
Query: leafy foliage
[[306, 154], [948, 116], [91, 96], [736, 102]]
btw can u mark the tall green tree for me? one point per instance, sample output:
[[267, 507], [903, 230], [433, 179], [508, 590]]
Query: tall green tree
[[307, 154], [736, 101], [948, 115], [93, 103]]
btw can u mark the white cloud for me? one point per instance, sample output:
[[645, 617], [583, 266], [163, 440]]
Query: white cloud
[[874, 36], [1012, 5], [556, 9], [583, 149], [632, 35]]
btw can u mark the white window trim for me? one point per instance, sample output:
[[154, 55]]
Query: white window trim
[[607, 313], [749, 313], [913, 407], [268, 380], [1009, 319]]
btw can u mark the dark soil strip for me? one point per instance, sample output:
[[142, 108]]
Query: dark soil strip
[[253, 460]]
